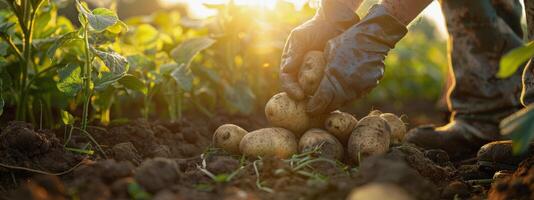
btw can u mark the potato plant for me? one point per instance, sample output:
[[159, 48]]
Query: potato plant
[[26, 76]]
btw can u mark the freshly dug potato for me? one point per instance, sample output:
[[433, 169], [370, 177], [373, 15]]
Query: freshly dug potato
[[398, 128], [284, 112], [269, 142], [370, 137], [330, 147], [374, 113], [379, 191], [311, 71], [228, 137], [340, 124]]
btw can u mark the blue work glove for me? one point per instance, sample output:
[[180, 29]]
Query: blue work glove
[[332, 19], [355, 60]]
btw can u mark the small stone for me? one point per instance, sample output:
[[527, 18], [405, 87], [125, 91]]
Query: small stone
[[456, 188], [157, 174], [126, 151]]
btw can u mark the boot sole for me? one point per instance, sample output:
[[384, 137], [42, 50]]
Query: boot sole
[[494, 166]]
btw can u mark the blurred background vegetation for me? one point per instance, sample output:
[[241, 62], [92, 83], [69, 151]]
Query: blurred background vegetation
[[235, 73]]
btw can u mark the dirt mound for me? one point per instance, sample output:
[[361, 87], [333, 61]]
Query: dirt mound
[[182, 139], [392, 169], [518, 186], [417, 160], [22, 149], [95, 180], [174, 161], [41, 187], [157, 174]]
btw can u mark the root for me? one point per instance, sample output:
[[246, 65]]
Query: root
[[40, 171]]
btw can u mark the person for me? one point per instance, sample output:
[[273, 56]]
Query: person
[[480, 33]]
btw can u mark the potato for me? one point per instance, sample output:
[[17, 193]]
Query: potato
[[284, 112], [375, 113], [340, 124], [398, 128], [269, 142], [330, 147], [370, 137], [379, 191], [311, 71], [228, 137]]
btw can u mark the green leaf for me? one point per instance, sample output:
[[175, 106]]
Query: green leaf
[[3, 49], [70, 80], [139, 62], [520, 128], [99, 19], [5, 27], [514, 59], [183, 77], [116, 63], [2, 102], [44, 23], [119, 27], [211, 74], [144, 34], [239, 97], [136, 192], [102, 18], [64, 39], [133, 83], [167, 68], [106, 79], [66, 118], [81, 151], [102, 100], [184, 53]]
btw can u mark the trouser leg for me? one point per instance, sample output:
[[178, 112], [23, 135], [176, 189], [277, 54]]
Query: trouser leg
[[527, 95], [478, 37]]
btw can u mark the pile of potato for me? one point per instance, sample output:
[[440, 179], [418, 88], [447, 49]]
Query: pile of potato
[[295, 131]]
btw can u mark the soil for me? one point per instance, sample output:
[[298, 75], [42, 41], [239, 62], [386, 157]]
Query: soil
[[161, 160]]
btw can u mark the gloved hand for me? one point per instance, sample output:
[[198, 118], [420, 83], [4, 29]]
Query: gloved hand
[[332, 18], [355, 60]]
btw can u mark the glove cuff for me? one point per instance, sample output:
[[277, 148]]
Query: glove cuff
[[337, 13], [383, 26]]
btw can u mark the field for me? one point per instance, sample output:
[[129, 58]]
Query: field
[[104, 103]]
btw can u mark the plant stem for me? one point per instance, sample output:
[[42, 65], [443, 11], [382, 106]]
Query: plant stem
[[147, 106], [86, 78], [27, 22], [25, 64], [179, 102], [171, 100], [146, 100], [88, 135]]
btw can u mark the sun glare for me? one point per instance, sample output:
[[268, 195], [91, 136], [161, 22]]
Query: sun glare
[[199, 10]]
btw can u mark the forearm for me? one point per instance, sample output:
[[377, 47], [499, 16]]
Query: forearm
[[405, 10], [339, 12], [352, 4]]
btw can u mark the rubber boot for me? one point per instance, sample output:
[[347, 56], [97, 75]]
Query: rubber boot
[[498, 155], [527, 95], [478, 100]]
